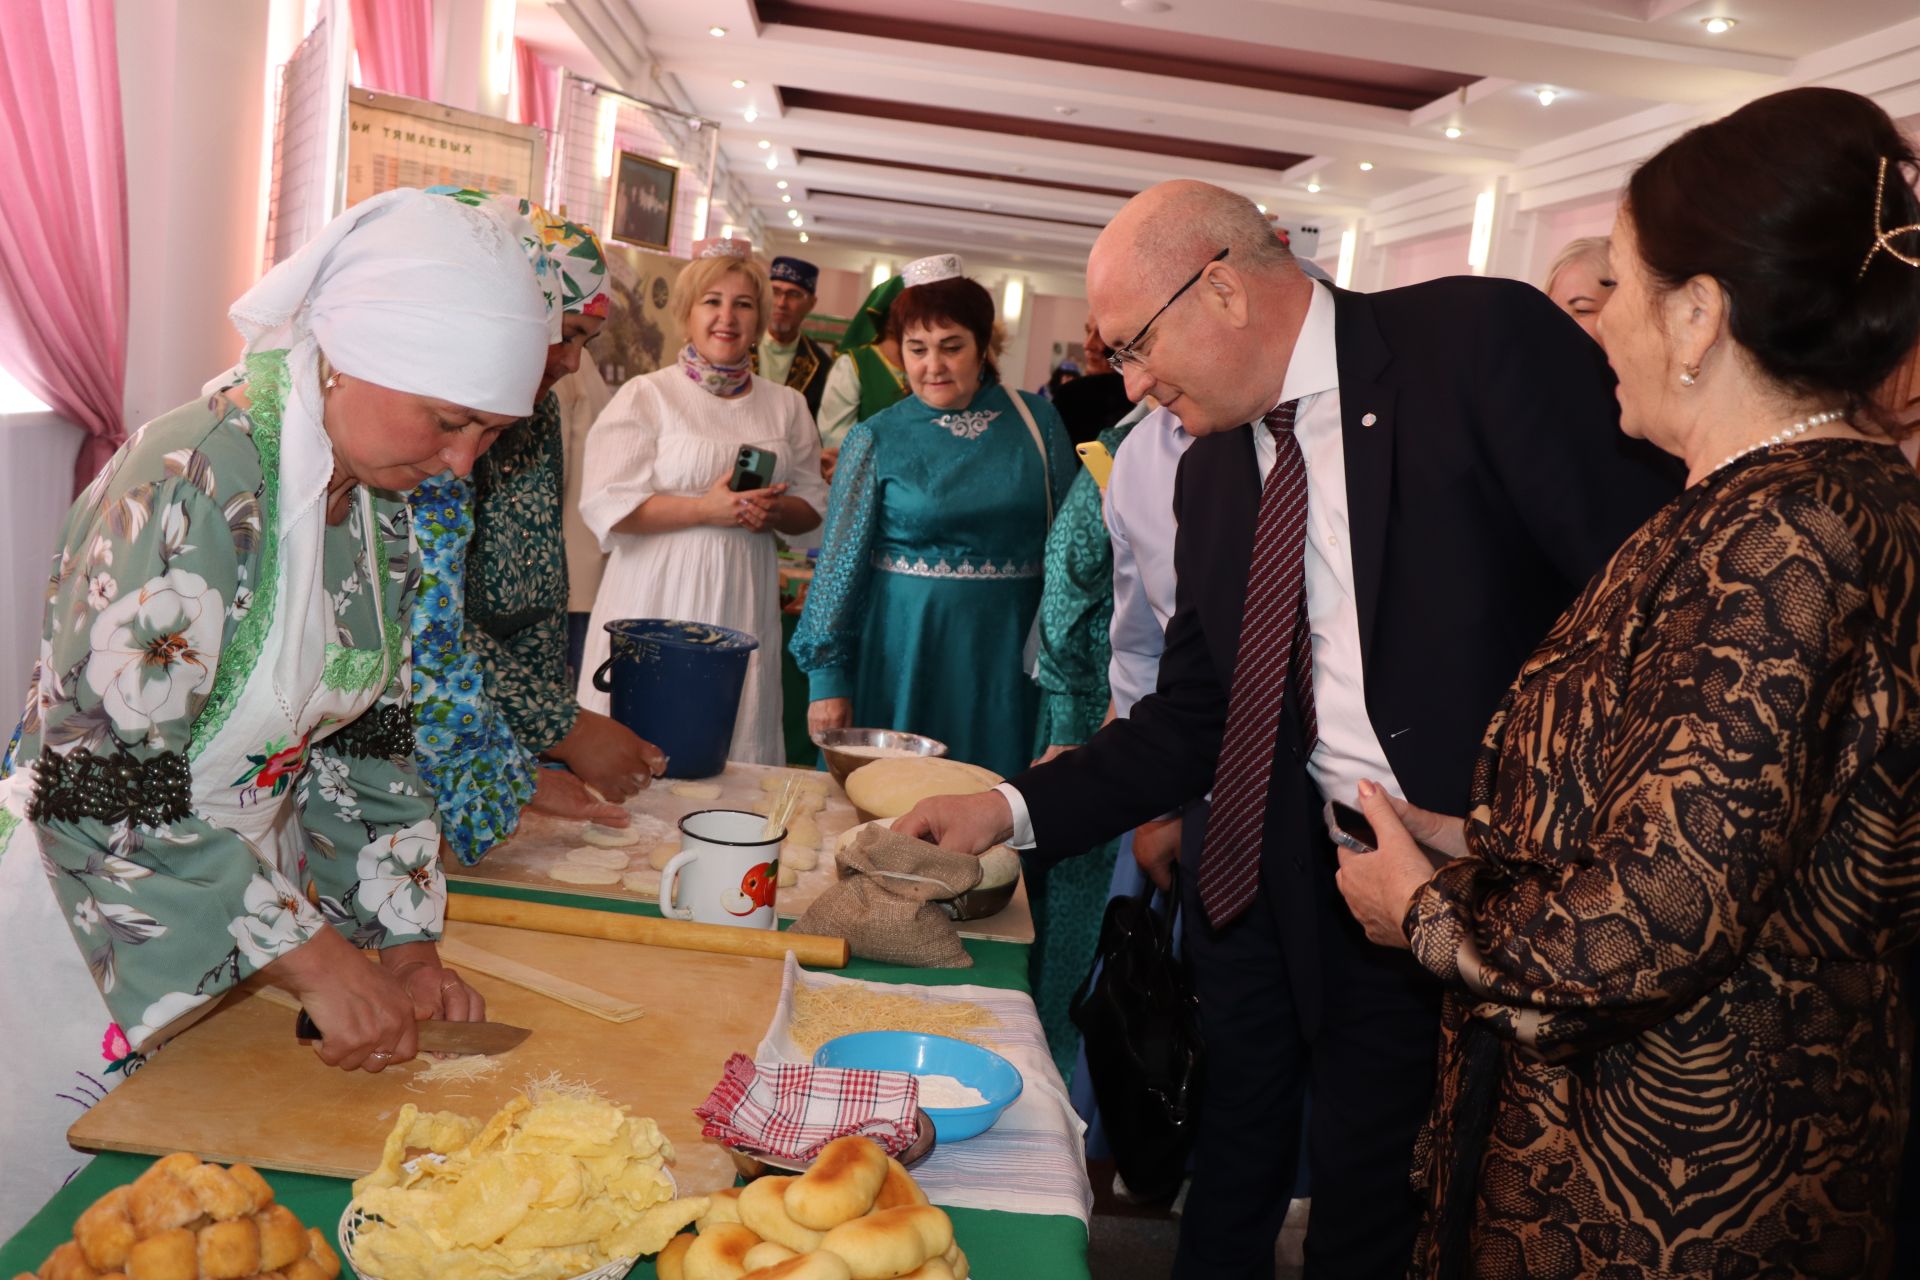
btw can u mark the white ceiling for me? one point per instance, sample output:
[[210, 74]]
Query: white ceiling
[[1608, 60]]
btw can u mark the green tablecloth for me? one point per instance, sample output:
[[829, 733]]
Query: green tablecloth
[[1001, 1246]]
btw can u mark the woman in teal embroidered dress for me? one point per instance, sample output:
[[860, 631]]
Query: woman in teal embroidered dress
[[490, 683], [1076, 606], [929, 573], [213, 777]]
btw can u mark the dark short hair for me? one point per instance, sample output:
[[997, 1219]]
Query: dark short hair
[[1776, 203], [957, 301]]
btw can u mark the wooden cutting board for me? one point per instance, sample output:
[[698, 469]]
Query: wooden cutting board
[[542, 843], [237, 1086]]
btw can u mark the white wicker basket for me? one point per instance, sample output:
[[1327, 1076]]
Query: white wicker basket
[[354, 1218]]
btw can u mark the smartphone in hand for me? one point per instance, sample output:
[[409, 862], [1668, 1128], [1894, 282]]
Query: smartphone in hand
[[1349, 828], [752, 469]]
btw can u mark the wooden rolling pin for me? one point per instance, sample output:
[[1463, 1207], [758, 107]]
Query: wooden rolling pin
[[686, 935]]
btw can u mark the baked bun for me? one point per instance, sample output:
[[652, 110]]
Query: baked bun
[[763, 1210], [719, 1254], [766, 1254], [229, 1250], [811, 1266], [840, 1185], [159, 1201], [891, 1242], [105, 1231], [671, 1262], [899, 1190], [170, 1255], [219, 1193], [722, 1206], [322, 1253], [67, 1262], [282, 1238]]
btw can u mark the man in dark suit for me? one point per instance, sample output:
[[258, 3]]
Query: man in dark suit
[[1389, 500], [787, 355]]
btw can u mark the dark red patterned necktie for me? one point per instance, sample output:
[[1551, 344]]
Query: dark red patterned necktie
[[1275, 651]]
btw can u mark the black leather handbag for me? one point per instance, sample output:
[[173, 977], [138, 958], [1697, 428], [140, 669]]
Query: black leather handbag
[[1141, 1025]]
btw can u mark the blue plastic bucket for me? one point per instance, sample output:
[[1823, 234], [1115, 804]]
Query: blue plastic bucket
[[677, 684]]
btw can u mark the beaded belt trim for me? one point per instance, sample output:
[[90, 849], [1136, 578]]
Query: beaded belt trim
[[966, 570], [385, 732], [150, 792]]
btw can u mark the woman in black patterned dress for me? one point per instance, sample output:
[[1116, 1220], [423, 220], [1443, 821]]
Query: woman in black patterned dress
[[1676, 1036]]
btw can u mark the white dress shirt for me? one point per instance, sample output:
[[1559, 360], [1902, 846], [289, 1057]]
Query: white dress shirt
[[1139, 511], [776, 360], [1348, 749]]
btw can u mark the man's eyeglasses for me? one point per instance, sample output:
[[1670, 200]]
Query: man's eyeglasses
[[1124, 355]]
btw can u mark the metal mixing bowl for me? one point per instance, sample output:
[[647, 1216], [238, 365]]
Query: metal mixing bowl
[[840, 762]]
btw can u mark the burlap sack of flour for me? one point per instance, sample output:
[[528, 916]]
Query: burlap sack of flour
[[883, 904]]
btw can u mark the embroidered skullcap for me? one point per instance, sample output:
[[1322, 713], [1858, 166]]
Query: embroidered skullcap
[[941, 266], [796, 271], [723, 247]]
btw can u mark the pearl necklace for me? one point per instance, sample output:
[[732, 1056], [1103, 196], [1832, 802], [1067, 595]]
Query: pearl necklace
[[1783, 435]]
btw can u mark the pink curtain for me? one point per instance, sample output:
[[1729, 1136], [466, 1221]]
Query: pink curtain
[[537, 84], [63, 216], [394, 39]]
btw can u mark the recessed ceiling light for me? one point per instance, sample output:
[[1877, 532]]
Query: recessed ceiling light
[[1313, 188], [1719, 26], [749, 115], [716, 32], [765, 145], [739, 84], [1453, 131], [796, 221], [782, 184], [1145, 6], [1366, 166], [773, 162], [786, 199], [1066, 111], [803, 237], [1546, 97]]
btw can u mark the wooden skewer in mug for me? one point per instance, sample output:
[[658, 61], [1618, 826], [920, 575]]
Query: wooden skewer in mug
[[579, 922], [783, 809]]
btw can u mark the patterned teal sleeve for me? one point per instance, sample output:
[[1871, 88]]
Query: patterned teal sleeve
[[479, 773], [826, 644], [1076, 605]]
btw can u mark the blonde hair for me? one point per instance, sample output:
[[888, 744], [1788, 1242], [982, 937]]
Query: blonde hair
[[703, 274], [1595, 249]]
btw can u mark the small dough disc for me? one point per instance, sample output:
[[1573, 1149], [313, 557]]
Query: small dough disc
[[640, 882], [803, 830], [611, 859], [661, 854], [788, 876], [696, 790], [575, 873], [609, 837], [799, 857]]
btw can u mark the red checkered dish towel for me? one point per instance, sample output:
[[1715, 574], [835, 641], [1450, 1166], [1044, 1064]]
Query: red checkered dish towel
[[790, 1111]]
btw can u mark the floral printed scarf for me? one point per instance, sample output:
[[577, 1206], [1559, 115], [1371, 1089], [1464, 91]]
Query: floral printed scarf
[[723, 380]]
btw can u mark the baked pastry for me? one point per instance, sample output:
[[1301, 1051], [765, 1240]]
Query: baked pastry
[[722, 1206], [670, 1263], [892, 1242], [763, 1210], [159, 1201], [766, 1254], [218, 1192], [810, 1266], [282, 1238], [105, 1231], [170, 1255], [839, 1186], [229, 1250], [719, 1254], [899, 1189]]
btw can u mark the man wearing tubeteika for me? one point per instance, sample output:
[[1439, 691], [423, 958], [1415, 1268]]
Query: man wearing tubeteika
[[787, 355]]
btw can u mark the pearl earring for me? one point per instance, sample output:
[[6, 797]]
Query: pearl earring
[[1689, 373], [332, 383]]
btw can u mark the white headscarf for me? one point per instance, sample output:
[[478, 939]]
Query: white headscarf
[[404, 290]]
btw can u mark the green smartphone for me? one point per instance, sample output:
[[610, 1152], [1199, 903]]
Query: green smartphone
[[752, 469]]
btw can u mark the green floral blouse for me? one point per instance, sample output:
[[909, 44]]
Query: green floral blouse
[[184, 857]]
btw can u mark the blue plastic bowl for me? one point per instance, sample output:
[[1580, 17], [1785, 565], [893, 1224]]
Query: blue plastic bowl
[[997, 1079]]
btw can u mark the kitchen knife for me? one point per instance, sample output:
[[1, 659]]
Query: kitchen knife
[[437, 1036]]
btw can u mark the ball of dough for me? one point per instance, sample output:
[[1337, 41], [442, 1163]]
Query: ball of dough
[[662, 853], [720, 1254], [696, 790], [671, 1262], [763, 1210], [640, 882], [889, 788], [282, 1238], [105, 1231], [799, 857], [839, 1185], [229, 1250], [998, 866], [592, 856], [788, 877], [170, 1255], [574, 873], [803, 830], [609, 837]]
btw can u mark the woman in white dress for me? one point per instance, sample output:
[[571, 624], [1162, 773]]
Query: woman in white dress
[[654, 490]]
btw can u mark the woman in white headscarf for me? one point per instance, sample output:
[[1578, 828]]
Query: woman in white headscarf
[[214, 776]]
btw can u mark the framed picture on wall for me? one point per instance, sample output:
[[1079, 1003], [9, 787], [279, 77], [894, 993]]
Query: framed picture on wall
[[643, 192]]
